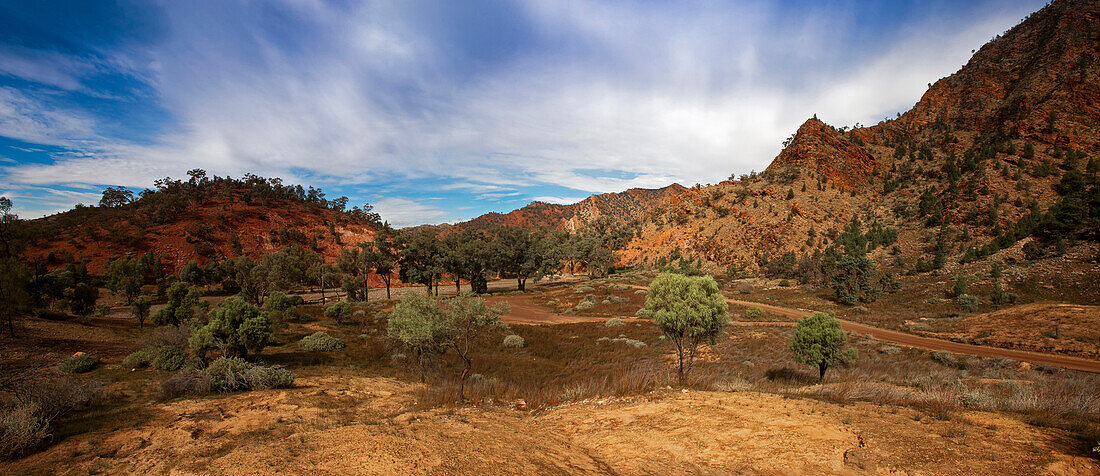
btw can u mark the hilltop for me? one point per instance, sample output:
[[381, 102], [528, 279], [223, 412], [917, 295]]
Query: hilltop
[[631, 204], [202, 219]]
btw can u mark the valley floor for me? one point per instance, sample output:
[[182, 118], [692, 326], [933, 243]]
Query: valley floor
[[357, 425]]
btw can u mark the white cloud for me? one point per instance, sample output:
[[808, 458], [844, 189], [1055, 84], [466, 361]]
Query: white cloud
[[646, 95], [401, 212], [558, 200]]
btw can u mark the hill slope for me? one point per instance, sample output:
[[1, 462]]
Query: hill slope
[[209, 220], [984, 148], [622, 206]]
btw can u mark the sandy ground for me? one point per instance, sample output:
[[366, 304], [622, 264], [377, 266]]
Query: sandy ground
[[362, 425]]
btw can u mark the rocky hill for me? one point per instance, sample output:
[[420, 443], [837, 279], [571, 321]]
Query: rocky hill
[[971, 169], [622, 206], [203, 221]]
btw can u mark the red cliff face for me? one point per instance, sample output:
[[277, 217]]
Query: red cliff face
[[830, 154]]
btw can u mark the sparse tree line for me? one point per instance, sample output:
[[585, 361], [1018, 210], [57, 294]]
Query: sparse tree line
[[171, 196]]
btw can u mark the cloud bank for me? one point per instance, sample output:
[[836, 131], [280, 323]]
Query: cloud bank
[[484, 105]]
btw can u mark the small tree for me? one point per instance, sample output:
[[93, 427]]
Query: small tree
[[468, 316], [125, 277], [183, 301], [140, 310], [418, 322], [82, 298], [689, 310], [819, 340], [236, 328]]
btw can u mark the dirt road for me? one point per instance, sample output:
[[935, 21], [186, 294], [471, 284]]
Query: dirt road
[[910, 340]]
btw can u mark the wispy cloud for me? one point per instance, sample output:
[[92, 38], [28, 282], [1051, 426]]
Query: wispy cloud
[[361, 93]]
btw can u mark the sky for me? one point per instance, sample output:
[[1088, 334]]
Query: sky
[[441, 111]]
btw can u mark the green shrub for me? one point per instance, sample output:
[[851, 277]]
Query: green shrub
[[754, 313], [585, 305], [338, 312], [279, 301], [613, 322], [889, 350], [227, 374], [320, 341], [167, 357], [137, 360], [102, 310], [78, 364], [512, 341], [234, 374], [968, 302], [584, 288], [264, 378]]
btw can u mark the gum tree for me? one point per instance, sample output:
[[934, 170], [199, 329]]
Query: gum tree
[[689, 310], [819, 340]]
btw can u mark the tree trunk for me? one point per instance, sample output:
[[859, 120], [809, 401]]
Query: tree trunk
[[821, 368], [519, 283], [462, 378], [458, 287]]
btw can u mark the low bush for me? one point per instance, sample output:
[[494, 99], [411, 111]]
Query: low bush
[[163, 357], [946, 358], [78, 364], [889, 350], [744, 288], [585, 305], [226, 374], [167, 357], [320, 341], [754, 313], [968, 302], [637, 344], [50, 315], [613, 322], [512, 341], [338, 312], [584, 288], [279, 301], [21, 430], [137, 360], [40, 397]]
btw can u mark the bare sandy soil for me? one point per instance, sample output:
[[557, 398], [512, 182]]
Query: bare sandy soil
[[362, 425]]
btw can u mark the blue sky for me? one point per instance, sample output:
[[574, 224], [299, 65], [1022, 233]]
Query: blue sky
[[442, 111]]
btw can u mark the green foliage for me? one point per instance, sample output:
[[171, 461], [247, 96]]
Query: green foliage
[[754, 313], [999, 296], [427, 326], [819, 340], [338, 311], [614, 322], [967, 301], [82, 298], [320, 341], [235, 328], [161, 357], [855, 280], [280, 302], [140, 309], [689, 310], [183, 302], [125, 277], [78, 364], [232, 374], [961, 285]]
